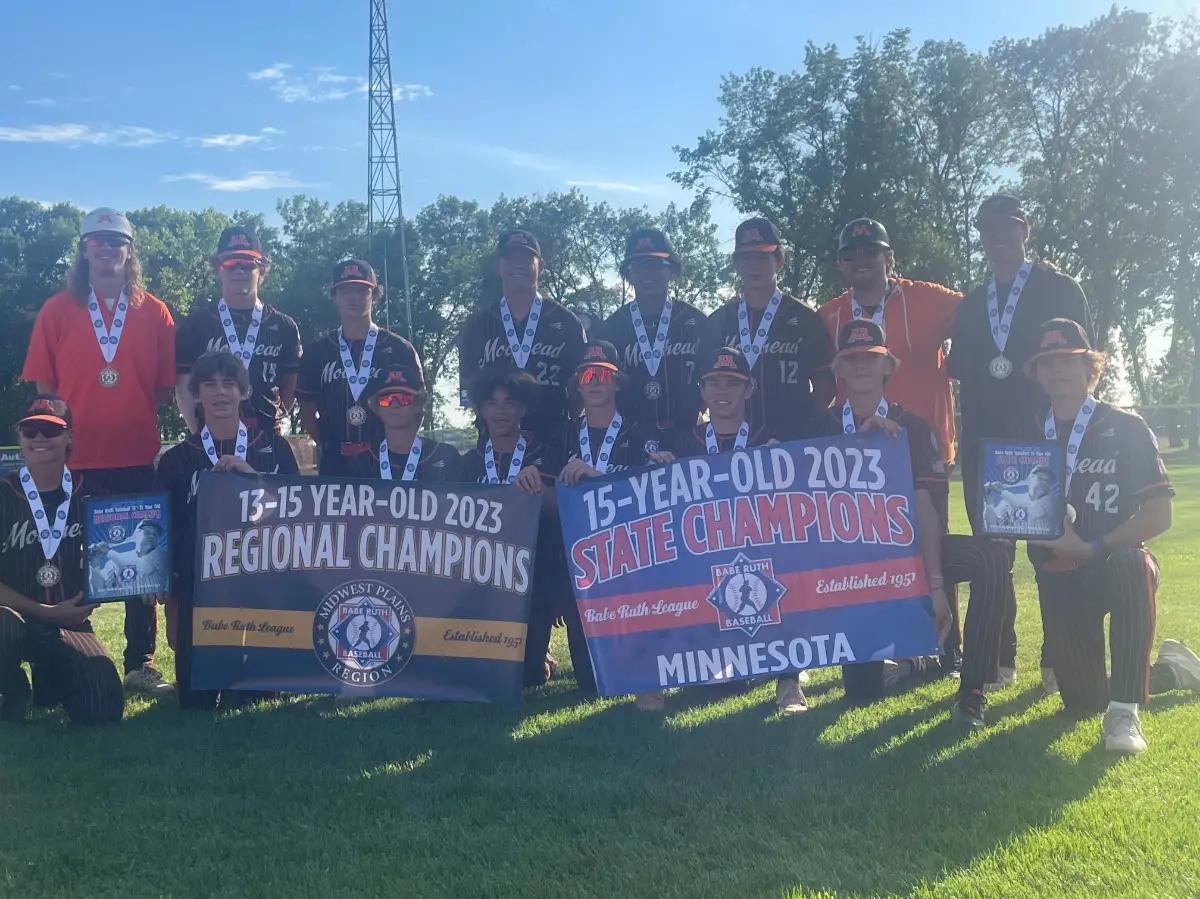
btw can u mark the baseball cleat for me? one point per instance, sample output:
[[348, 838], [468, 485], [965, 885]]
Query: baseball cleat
[[968, 709], [147, 681], [789, 698], [1008, 677], [1122, 731], [1183, 662]]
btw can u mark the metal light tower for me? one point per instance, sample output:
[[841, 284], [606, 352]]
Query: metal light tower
[[385, 210]]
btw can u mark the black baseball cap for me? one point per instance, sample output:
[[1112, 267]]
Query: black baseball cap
[[1001, 206], [649, 243], [599, 354], [1060, 335], [49, 408], [757, 235], [726, 360], [239, 242], [402, 379], [354, 271], [517, 238], [863, 233], [861, 336]]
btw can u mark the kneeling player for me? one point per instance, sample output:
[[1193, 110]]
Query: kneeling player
[[404, 454], [43, 618], [1120, 497], [864, 364], [219, 384]]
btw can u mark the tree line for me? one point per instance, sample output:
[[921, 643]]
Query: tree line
[[1096, 128]]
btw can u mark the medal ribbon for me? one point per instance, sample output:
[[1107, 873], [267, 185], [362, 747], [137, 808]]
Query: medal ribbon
[[49, 533], [651, 352], [410, 467], [243, 349], [108, 338], [1086, 411], [1001, 322], [739, 443], [877, 316], [522, 348], [848, 425], [357, 377], [211, 448], [751, 348], [585, 443], [514, 465]]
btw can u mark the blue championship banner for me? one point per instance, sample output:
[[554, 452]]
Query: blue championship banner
[[381, 588], [751, 563], [128, 550], [1021, 490]]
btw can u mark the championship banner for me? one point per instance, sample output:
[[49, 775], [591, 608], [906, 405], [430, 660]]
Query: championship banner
[[307, 585], [747, 564]]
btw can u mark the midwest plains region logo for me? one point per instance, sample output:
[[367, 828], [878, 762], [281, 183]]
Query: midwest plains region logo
[[364, 633], [746, 594]]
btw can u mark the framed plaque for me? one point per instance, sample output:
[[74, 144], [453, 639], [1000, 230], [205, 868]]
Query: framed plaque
[[1021, 489], [128, 547]]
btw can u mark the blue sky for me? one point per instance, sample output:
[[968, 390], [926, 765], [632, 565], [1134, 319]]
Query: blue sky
[[195, 104]]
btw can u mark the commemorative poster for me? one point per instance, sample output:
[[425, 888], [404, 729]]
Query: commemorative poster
[[313, 585], [128, 551], [751, 563], [1022, 490]]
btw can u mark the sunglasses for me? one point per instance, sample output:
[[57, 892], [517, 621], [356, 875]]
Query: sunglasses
[[47, 429], [870, 252], [396, 399], [648, 263], [240, 265], [596, 375], [107, 240]]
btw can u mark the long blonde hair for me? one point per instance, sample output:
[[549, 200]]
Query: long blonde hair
[[79, 283]]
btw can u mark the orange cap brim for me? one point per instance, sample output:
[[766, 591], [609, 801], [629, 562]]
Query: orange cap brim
[[53, 419], [850, 351], [757, 248]]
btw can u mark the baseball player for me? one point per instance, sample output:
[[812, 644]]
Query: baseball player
[[345, 368], [1122, 497], [863, 366], [656, 337], [220, 384], [526, 332], [43, 618], [403, 454], [785, 343]]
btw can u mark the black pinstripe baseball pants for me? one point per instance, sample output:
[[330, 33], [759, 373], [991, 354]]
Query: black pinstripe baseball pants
[[71, 667], [987, 566], [1074, 604]]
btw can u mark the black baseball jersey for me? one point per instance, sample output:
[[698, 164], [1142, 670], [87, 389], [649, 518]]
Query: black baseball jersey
[[178, 475], [631, 447], [673, 400], [556, 350], [277, 352], [474, 461], [440, 462], [797, 349], [21, 552], [693, 442], [1000, 408], [1118, 468], [323, 379]]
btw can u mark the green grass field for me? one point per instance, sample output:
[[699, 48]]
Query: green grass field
[[567, 798]]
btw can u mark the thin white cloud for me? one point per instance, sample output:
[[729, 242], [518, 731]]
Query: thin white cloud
[[44, 102], [14, 87], [73, 134], [270, 73], [617, 186], [264, 180], [412, 92], [272, 131], [229, 141], [323, 84]]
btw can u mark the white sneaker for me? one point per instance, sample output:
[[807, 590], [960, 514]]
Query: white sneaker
[[147, 681], [1008, 677], [1186, 665], [1122, 731], [789, 698], [1049, 682]]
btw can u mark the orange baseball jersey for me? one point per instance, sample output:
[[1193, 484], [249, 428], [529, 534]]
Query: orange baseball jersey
[[117, 426], [917, 319]]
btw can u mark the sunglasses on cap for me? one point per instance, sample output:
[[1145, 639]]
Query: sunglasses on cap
[[597, 375], [396, 399], [106, 240], [31, 429], [240, 265], [870, 251]]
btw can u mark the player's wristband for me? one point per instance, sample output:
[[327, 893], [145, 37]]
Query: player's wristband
[[1099, 549]]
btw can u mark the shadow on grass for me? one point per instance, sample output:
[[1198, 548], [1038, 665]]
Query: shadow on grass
[[557, 797]]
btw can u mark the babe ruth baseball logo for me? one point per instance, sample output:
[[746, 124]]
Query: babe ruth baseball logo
[[650, 446], [108, 377], [128, 574], [116, 533], [746, 594], [364, 633], [1011, 475]]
